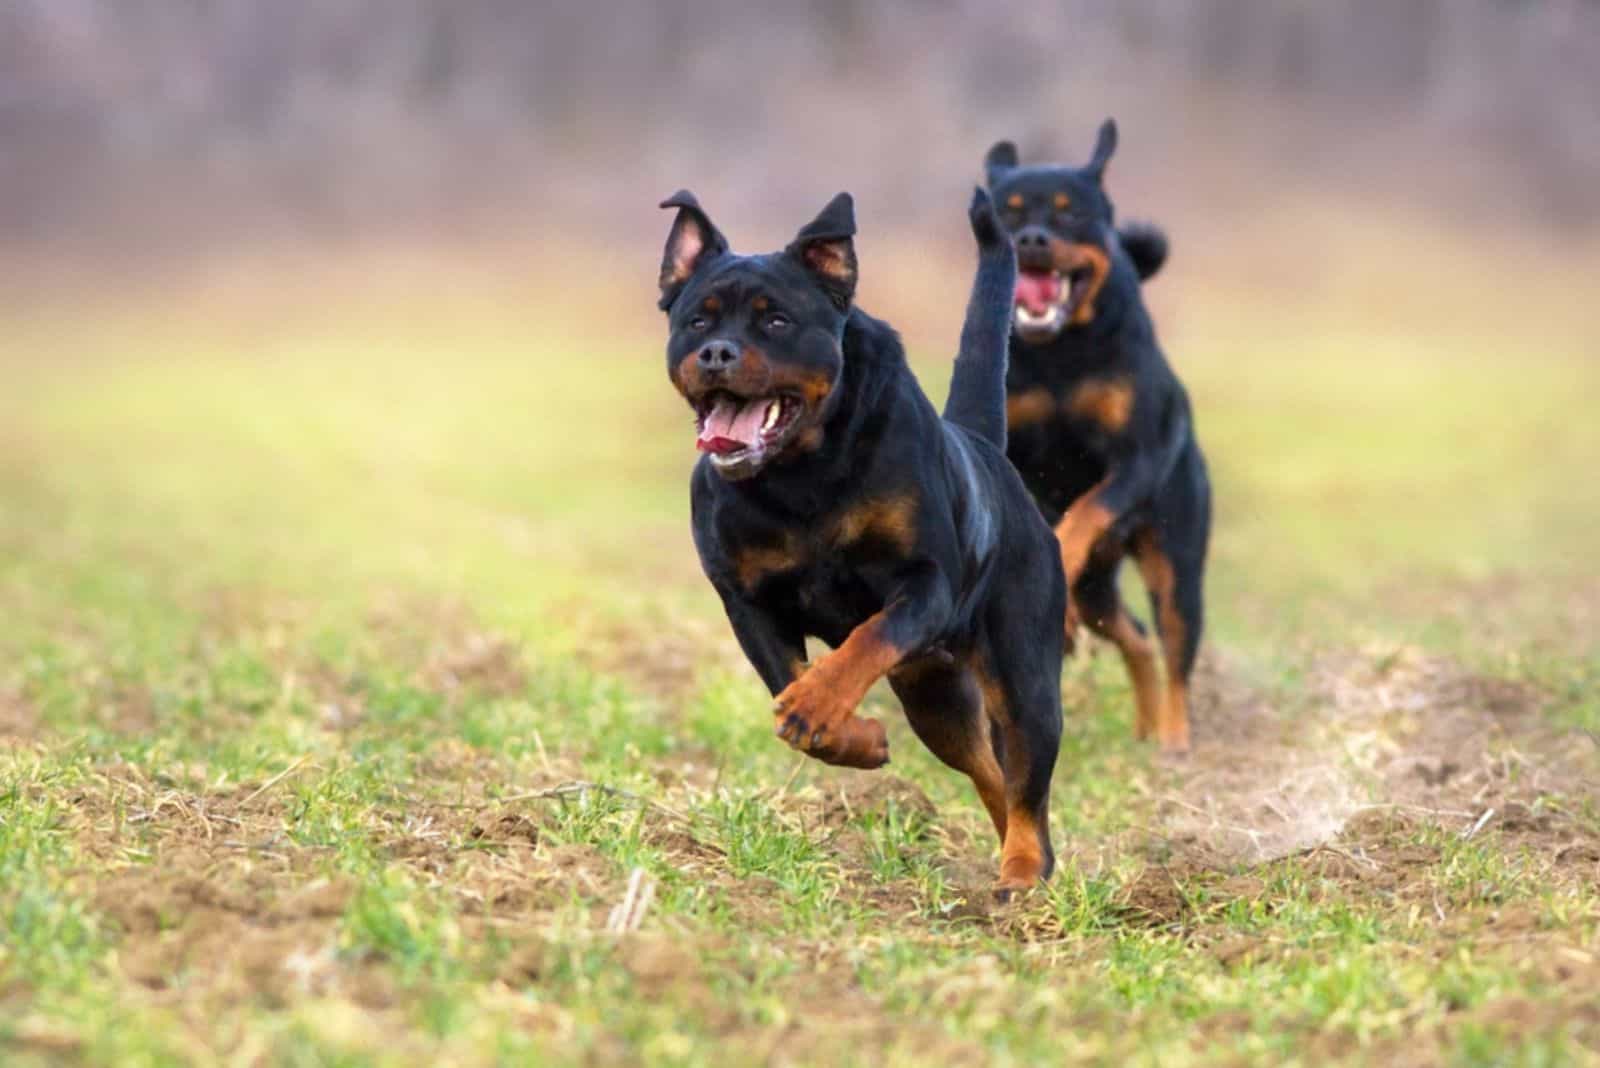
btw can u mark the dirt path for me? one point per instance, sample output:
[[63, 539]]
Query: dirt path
[[1374, 731]]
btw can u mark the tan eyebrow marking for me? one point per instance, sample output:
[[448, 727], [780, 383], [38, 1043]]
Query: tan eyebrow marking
[[1062, 201]]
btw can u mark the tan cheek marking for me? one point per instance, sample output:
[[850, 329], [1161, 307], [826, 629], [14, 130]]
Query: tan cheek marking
[[1107, 402], [1070, 256], [814, 389], [809, 439]]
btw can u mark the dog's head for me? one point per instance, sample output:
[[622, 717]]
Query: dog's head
[[1060, 218], [756, 341]]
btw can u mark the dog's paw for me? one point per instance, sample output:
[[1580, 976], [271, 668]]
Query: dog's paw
[[1073, 623], [985, 224], [810, 717], [1007, 891]]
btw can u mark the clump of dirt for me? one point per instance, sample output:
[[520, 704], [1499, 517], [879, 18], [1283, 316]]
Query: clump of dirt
[[506, 828], [660, 964], [524, 881], [1155, 898], [224, 926], [19, 720], [478, 663], [127, 708], [848, 794]]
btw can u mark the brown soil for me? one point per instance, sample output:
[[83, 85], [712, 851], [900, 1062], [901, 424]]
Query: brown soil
[[1381, 731], [19, 720], [666, 660]]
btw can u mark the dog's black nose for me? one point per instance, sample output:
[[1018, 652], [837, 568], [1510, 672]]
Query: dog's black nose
[[718, 355], [1033, 246]]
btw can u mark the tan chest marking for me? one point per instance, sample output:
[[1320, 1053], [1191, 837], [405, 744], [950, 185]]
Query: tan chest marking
[[890, 520], [754, 563], [1107, 401], [1029, 407]]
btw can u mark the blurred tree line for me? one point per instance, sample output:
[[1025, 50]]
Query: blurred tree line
[[348, 113]]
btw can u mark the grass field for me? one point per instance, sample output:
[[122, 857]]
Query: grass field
[[353, 660]]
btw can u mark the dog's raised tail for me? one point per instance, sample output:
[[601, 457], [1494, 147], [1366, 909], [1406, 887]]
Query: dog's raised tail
[[978, 384]]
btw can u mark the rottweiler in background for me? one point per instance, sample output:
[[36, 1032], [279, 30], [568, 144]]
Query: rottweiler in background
[[832, 501], [1100, 427]]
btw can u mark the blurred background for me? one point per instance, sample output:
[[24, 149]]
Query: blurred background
[[267, 265]]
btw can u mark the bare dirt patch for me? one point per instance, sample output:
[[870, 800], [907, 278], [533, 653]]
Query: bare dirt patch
[[211, 903], [1376, 731], [19, 720], [665, 660]]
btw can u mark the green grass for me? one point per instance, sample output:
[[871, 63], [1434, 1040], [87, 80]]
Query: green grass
[[350, 667]]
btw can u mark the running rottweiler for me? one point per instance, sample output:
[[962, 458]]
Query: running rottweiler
[[1099, 425], [832, 501]]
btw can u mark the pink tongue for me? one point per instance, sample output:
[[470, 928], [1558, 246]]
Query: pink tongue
[[731, 426], [1037, 290]]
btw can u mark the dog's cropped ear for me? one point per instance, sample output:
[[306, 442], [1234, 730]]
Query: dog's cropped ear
[[824, 247], [1001, 158], [692, 241], [1104, 145]]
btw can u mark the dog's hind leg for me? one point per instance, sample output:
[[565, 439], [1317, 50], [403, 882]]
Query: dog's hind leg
[[944, 706], [1020, 675], [1104, 612], [1173, 566]]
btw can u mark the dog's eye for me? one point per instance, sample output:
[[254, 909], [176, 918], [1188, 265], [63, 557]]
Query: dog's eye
[[698, 322], [778, 321]]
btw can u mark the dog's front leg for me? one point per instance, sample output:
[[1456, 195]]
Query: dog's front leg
[[816, 712], [777, 651]]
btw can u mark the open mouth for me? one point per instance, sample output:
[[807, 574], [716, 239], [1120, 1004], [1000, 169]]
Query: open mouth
[[1046, 300], [739, 433]]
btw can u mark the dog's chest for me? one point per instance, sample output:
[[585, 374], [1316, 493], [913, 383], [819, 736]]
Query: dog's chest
[[1094, 408], [1060, 435], [816, 571]]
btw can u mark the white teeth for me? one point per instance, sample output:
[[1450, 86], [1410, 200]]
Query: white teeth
[[1046, 318], [774, 410]]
